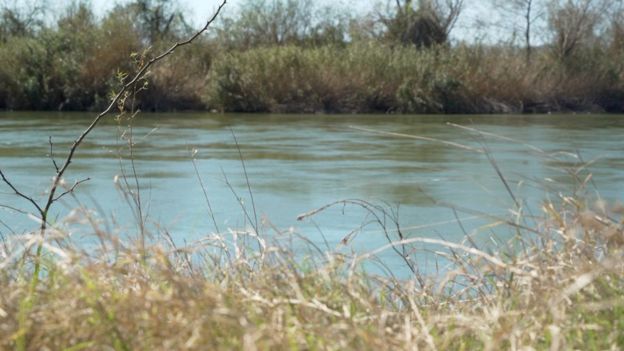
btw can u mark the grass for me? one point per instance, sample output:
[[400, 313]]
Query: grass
[[64, 68], [377, 77], [562, 289]]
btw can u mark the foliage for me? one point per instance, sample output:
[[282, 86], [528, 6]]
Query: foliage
[[77, 64], [156, 20], [424, 24], [576, 24], [283, 22], [21, 19], [293, 56], [368, 76]]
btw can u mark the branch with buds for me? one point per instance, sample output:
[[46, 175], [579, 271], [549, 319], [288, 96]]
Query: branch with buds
[[60, 168]]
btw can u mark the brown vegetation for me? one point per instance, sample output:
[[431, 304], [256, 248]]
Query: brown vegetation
[[278, 56]]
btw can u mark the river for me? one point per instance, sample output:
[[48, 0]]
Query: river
[[297, 163]]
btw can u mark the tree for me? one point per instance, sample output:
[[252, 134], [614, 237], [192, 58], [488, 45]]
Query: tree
[[156, 20], [20, 18], [281, 22], [616, 34], [423, 24], [529, 11], [275, 21], [575, 23]]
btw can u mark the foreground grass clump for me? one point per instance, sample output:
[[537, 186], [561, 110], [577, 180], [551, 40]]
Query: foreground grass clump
[[563, 289]]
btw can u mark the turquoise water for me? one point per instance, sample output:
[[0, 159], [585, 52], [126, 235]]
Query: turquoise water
[[297, 163]]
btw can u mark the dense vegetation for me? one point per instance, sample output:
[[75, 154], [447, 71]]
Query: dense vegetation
[[292, 56]]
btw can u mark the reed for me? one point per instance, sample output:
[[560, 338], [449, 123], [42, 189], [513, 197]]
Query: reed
[[377, 77], [64, 67]]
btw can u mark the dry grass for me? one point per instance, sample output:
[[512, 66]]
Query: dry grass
[[562, 289], [376, 77]]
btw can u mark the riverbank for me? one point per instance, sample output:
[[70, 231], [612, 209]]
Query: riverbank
[[562, 289], [285, 57], [364, 77], [373, 77]]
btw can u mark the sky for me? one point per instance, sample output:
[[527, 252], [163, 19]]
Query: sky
[[198, 11]]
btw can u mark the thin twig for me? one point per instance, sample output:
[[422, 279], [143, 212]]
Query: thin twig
[[417, 137], [501, 137], [494, 164], [19, 193], [380, 215], [203, 187], [478, 253], [51, 155], [238, 199], [253, 204], [137, 194], [9, 229], [71, 190], [15, 209]]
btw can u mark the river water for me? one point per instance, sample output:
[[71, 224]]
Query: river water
[[296, 163]]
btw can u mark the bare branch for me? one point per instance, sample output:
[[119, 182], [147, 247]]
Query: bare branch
[[253, 204], [455, 8], [203, 187], [19, 193], [417, 137], [14, 209], [140, 74], [51, 155], [71, 190]]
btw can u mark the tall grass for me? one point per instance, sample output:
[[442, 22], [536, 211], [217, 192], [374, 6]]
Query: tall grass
[[72, 65], [561, 288], [376, 77]]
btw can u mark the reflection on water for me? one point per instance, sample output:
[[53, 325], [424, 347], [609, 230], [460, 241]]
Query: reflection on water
[[298, 163]]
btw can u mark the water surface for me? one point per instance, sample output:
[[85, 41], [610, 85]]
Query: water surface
[[296, 163]]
